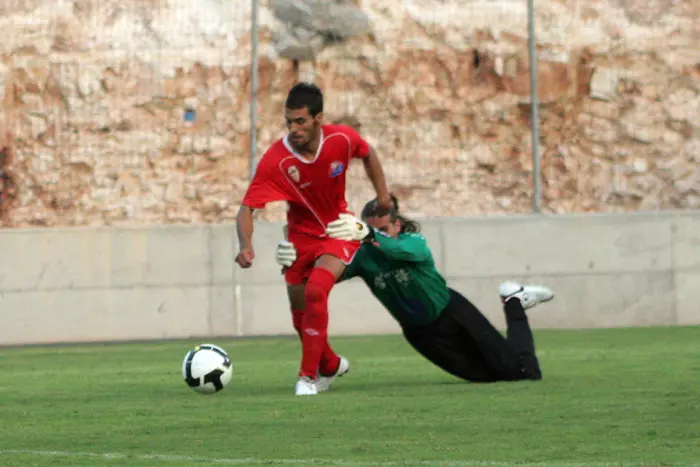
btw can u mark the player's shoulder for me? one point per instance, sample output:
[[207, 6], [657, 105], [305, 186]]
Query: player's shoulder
[[277, 150], [274, 154], [269, 163], [334, 129]]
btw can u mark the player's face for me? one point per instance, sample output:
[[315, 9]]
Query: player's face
[[385, 224], [303, 128]]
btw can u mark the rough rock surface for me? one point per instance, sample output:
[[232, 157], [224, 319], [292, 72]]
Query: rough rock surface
[[93, 94]]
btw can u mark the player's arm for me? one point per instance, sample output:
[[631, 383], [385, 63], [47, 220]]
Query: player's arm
[[375, 173], [265, 188], [409, 247], [373, 167], [244, 229]]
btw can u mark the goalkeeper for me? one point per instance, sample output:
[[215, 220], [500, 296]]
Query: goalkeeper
[[440, 323]]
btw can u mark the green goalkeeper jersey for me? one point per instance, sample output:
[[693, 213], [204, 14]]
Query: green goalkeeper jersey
[[401, 273]]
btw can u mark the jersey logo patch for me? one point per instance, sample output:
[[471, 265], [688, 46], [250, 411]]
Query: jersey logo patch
[[294, 173], [336, 169]]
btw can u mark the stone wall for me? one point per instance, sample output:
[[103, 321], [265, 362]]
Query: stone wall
[[93, 95]]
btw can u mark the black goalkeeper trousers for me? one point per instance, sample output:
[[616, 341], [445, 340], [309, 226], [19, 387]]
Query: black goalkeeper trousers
[[464, 343]]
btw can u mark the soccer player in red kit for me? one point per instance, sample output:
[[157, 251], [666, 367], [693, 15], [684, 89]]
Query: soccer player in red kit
[[307, 169]]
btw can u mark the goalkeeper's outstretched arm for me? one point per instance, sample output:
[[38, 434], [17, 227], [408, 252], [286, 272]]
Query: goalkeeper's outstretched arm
[[407, 247]]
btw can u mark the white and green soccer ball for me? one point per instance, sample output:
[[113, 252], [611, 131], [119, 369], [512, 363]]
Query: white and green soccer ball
[[207, 369]]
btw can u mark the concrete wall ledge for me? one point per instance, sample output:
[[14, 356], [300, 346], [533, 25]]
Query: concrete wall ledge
[[179, 281]]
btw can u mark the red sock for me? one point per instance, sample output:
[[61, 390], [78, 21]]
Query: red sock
[[314, 323], [329, 359]]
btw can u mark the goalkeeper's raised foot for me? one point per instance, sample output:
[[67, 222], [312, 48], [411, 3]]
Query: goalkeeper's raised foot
[[529, 295]]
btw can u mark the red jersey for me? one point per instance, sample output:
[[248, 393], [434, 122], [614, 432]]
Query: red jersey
[[314, 190]]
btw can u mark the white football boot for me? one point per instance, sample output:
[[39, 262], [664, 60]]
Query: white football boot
[[305, 387], [324, 382], [529, 295]]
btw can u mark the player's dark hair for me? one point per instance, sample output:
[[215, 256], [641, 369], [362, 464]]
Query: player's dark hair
[[305, 95], [372, 209]]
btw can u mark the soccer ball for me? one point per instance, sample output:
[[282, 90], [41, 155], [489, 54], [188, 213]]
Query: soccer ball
[[207, 369]]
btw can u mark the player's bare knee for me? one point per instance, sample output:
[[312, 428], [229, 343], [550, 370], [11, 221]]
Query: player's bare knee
[[332, 264]]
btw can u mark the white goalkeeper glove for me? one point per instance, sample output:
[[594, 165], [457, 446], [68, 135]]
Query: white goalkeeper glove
[[286, 253], [348, 227]]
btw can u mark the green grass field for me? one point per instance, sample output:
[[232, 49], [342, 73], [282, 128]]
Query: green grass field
[[609, 397]]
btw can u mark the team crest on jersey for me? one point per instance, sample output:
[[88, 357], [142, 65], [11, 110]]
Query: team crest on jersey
[[294, 173], [336, 168]]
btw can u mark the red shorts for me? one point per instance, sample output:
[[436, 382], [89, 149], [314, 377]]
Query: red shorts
[[309, 249]]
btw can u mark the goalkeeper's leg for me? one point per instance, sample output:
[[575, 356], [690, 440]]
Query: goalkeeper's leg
[[444, 343], [506, 361], [516, 299], [511, 358]]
